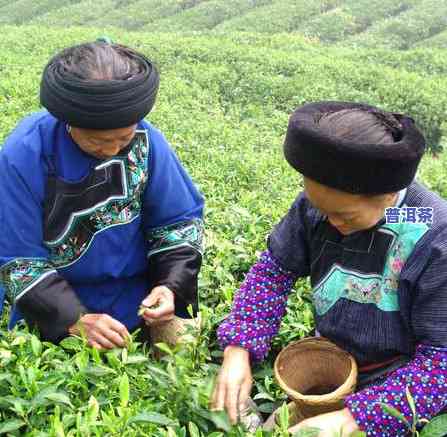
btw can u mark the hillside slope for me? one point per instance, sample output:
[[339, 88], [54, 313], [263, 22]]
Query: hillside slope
[[252, 76], [392, 23]]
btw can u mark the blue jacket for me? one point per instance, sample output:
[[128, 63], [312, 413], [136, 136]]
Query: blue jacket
[[78, 234]]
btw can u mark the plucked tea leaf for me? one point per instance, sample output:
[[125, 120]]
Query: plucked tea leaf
[[395, 413], [410, 400]]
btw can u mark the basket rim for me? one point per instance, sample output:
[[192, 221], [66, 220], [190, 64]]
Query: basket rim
[[333, 396]]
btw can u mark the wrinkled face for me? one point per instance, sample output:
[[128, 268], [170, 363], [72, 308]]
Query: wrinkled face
[[103, 144], [347, 212]]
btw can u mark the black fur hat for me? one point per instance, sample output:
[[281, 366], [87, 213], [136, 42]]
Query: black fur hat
[[351, 166]]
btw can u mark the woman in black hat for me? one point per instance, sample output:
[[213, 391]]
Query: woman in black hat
[[374, 243], [97, 214]]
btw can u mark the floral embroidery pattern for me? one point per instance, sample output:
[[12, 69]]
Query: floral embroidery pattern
[[21, 274], [188, 233], [380, 290]]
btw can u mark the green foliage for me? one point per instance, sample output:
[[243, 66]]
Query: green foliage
[[224, 103], [22, 11], [391, 23], [280, 16], [351, 17], [139, 13], [205, 16], [425, 19], [79, 13], [436, 428]]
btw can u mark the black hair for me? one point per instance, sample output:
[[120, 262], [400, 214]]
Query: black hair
[[100, 61], [364, 126]]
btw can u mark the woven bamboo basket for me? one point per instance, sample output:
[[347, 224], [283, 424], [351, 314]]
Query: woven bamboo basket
[[316, 374]]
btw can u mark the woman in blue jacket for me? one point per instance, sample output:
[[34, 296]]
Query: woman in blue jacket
[[97, 214]]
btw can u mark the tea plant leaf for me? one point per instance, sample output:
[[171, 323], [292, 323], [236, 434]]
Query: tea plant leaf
[[164, 348], [193, 430], [284, 417], [436, 428], [137, 359], [71, 343], [307, 432], [41, 397], [171, 433], [36, 346], [152, 417], [158, 371], [124, 390], [11, 425], [267, 407], [113, 360], [124, 355], [264, 395], [221, 420], [60, 398], [98, 371], [5, 354], [19, 340], [395, 413], [93, 409]]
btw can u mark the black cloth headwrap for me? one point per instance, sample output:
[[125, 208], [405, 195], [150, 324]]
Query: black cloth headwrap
[[349, 166], [99, 104]]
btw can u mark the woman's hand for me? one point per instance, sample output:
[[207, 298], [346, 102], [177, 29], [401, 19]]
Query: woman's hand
[[330, 424], [234, 383], [162, 298], [102, 331]]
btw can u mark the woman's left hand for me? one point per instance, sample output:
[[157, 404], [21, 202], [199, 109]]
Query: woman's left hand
[[330, 424], [162, 299]]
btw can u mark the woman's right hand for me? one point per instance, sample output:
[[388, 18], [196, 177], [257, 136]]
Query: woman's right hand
[[234, 383], [102, 331]]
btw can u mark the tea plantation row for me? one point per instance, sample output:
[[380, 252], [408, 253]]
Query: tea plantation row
[[392, 23]]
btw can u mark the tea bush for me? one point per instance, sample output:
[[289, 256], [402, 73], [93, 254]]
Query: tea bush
[[425, 19], [280, 16], [21, 11], [134, 14], [393, 23], [205, 16]]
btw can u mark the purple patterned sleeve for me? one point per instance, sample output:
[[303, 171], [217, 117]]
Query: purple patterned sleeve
[[258, 308], [426, 378]]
